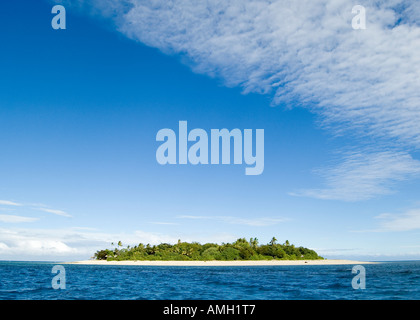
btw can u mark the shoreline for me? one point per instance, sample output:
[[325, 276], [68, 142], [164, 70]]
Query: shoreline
[[220, 263]]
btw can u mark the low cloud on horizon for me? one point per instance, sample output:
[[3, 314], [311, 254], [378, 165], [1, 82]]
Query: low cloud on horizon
[[81, 243]]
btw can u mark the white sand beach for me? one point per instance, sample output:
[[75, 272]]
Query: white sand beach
[[220, 263]]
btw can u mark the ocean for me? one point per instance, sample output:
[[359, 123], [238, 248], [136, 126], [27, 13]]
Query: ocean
[[34, 281]]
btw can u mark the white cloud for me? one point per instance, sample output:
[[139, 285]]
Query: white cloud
[[396, 222], [256, 222], [69, 244], [15, 219], [298, 50], [164, 223], [57, 212], [407, 221], [23, 243], [33, 206], [303, 53], [155, 238], [363, 175], [9, 203]]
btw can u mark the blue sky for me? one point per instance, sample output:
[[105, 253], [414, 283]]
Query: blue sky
[[80, 109]]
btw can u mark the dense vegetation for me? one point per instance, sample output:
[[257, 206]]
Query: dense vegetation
[[241, 249]]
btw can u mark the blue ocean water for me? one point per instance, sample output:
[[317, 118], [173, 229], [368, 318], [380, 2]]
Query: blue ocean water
[[33, 280]]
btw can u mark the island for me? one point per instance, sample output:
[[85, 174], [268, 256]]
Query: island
[[241, 249], [242, 252]]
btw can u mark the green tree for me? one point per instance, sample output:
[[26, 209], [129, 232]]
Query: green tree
[[273, 241], [238, 250], [230, 253], [211, 253], [253, 242]]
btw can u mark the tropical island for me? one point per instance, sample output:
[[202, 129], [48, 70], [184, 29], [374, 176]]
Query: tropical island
[[241, 249]]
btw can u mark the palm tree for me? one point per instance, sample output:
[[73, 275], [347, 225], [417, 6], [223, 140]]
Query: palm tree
[[273, 241], [253, 242]]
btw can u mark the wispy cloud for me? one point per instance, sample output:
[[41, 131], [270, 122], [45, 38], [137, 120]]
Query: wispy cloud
[[15, 219], [395, 222], [163, 223], [364, 175], [56, 212], [303, 53], [32, 206], [256, 222], [9, 203], [407, 221]]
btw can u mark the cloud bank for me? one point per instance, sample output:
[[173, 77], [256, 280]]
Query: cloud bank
[[69, 244]]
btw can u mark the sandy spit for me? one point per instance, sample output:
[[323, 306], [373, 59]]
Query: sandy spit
[[219, 263]]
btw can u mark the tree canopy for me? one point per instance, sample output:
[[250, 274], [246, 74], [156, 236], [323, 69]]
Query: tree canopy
[[241, 249]]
